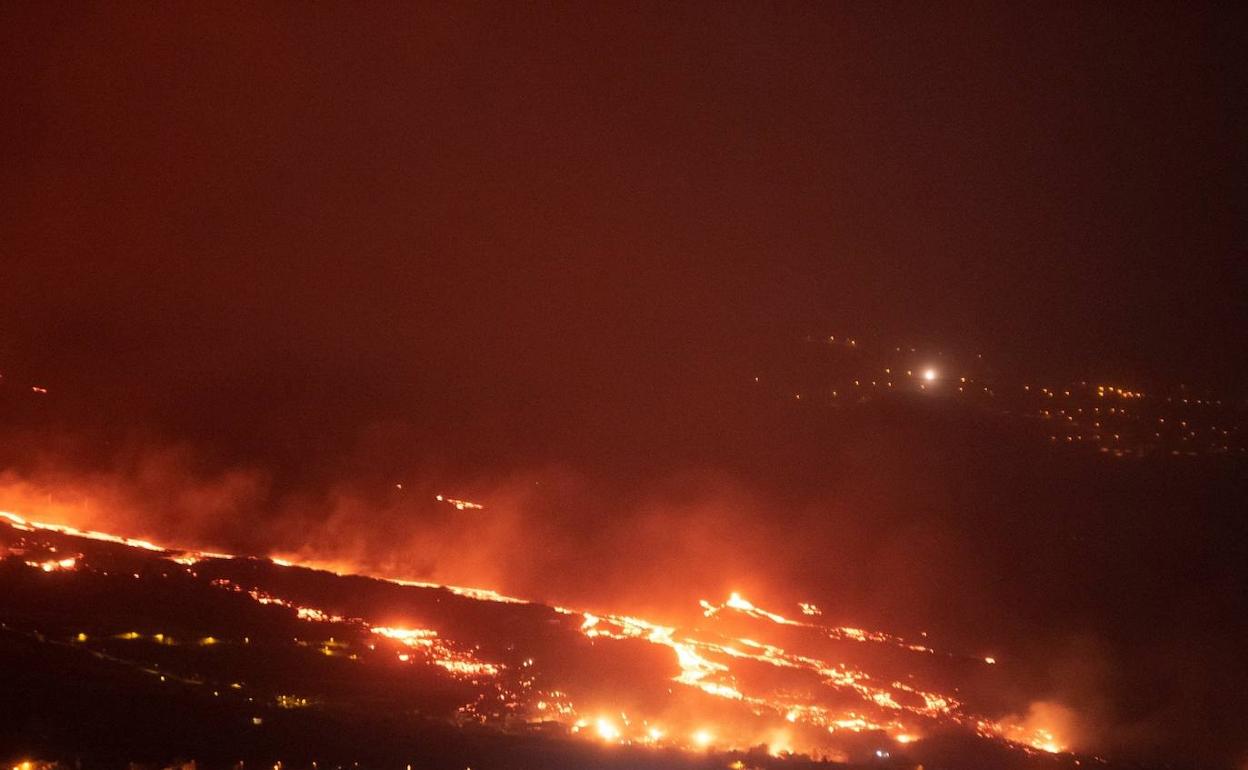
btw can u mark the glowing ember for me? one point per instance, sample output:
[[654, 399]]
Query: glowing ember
[[52, 565], [438, 652], [459, 505]]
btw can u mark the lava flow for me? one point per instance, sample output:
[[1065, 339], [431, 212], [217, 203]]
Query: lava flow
[[742, 677]]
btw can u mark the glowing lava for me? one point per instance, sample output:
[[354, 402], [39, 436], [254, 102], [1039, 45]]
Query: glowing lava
[[778, 686]]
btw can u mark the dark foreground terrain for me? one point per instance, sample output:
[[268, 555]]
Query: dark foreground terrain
[[116, 653]]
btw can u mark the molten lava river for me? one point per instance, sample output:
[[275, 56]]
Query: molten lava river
[[278, 637]]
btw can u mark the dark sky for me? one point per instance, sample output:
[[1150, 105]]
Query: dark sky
[[470, 202]]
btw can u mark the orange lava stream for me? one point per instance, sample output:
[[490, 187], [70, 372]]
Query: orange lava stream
[[703, 661]]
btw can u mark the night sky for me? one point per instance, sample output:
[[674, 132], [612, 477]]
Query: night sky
[[342, 247], [249, 193]]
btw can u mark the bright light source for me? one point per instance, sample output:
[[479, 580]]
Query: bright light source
[[929, 374], [702, 738], [607, 731]]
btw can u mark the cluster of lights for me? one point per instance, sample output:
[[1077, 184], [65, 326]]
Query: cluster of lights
[[1115, 431]]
